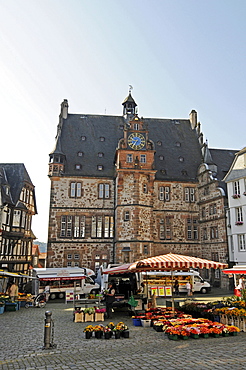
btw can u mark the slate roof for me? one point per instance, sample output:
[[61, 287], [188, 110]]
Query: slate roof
[[174, 140], [223, 158], [16, 176]]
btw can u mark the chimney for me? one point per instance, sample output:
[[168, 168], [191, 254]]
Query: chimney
[[193, 119], [64, 109]]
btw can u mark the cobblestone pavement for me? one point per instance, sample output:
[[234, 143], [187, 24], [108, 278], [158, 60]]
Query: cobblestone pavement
[[22, 339]]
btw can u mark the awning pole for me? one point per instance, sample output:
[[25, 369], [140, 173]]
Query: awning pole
[[173, 307]]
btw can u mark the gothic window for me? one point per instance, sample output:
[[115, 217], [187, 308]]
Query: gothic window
[[72, 226], [190, 194], [165, 228], [203, 212], [192, 229], [214, 232], [103, 191], [205, 235], [102, 227], [108, 226], [126, 216], [143, 158], [164, 193], [75, 189], [129, 158]]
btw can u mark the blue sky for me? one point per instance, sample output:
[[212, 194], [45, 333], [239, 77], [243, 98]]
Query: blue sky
[[178, 55]]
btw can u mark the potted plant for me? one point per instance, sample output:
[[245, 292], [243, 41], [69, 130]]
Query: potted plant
[[98, 329], [88, 331], [107, 332]]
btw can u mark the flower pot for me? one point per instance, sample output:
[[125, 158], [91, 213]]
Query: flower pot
[[184, 337], [234, 333], [216, 335], [125, 334], [194, 336], [107, 335], [204, 335], [88, 334], [117, 334], [158, 328], [98, 334], [225, 334], [173, 337]]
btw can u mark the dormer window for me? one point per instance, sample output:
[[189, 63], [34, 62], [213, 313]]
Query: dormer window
[[102, 138], [80, 154]]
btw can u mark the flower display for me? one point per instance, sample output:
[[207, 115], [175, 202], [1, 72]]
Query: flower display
[[98, 328], [232, 329], [89, 310], [89, 328]]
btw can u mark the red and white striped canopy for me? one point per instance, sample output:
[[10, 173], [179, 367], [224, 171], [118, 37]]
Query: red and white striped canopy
[[118, 269], [172, 261]]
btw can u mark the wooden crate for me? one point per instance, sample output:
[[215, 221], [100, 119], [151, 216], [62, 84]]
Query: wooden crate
[[89, 318], [79, 317], [241, 322], [99, 316]]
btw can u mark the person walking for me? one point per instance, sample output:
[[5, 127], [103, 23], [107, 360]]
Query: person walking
[[110, 298]]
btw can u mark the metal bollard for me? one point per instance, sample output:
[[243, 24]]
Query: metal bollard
[[47, 331]]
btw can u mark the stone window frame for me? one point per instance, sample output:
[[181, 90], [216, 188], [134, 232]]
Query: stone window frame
[[164, 193], [189, 194], [75, 189], [104, 191]]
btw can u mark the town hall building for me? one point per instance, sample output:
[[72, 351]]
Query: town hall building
[[126, 187]]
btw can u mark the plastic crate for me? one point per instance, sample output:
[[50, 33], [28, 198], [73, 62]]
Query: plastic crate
[[146, 323], [11, 306], [136, 322]]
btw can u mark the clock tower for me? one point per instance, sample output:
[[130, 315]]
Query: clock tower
[[135, 175]]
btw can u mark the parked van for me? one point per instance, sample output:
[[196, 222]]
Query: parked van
[[163, 278], [65, 278]]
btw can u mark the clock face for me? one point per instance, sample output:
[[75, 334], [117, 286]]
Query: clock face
[[136, 141]]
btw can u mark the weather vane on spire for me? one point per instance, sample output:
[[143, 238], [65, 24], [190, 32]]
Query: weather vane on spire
[[130, 89]]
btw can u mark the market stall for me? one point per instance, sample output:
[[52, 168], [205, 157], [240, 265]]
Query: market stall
[[174, 262], [5, 302]]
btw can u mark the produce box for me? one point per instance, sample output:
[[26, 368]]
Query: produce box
[[89, 317], [79, 317], [11, 306], [99, 316]]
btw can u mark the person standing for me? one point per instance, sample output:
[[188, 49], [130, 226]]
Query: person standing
[[176, 287], [47, 292], [110, 298], [188, 287], [13, 292]]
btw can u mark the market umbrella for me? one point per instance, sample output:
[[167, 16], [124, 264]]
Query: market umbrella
[[172, 262]]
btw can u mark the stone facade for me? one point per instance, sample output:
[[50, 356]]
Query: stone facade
[[126, 188]]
